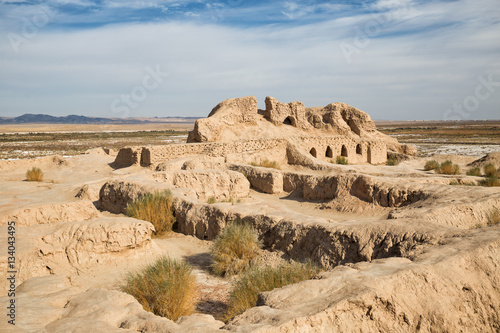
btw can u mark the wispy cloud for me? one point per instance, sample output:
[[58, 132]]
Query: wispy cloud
[[418, 63]]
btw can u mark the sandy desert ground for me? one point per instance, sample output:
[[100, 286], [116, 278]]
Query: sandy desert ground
[[402, 249]]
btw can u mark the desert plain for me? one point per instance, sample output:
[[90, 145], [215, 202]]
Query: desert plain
[[401, 248]]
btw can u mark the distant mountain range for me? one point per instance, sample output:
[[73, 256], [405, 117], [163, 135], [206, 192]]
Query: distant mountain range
[[74, 119]]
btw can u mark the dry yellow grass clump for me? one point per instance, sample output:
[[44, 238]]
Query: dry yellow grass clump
[[167, 288], [246, 288], [34, 175], [474, 172], [448, 168], [490, 170], [155, 208], [234, 248], [431, 165], [267, 164]]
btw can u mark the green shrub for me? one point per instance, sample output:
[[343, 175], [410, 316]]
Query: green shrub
[[259, 279], [167, 288], [391, 162], [448, 168], [211, 200], [234, 248], [490, 181], [490, 170], [34, 175], [342, 160], [155, 208], [474, 172], [267, 164], [431, 165]]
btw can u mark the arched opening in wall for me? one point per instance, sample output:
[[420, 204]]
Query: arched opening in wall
[[313, 152], [343, 152], [369, 155], [289, 121], [359, 150], [329, 152]]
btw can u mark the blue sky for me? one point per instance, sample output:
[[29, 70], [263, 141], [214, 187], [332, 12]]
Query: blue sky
[[395, 59]]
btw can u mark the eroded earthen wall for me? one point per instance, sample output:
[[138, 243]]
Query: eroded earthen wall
[[323, 148]]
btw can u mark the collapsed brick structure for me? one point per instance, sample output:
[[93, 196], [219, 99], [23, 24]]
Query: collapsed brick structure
[[291, 133]]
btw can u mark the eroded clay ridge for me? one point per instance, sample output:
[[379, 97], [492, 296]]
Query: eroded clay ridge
[[236, 126]]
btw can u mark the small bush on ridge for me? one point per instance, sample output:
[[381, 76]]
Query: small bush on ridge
[[234, 248], [431, 165], [247, 287], [391, 162], [167, 288], [155, 208], [34, 175], [448, 168], [474, 172], [342, 160], [489, 170], [490, 181]]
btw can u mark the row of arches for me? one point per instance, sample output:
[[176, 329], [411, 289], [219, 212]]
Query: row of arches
[[344, 152]]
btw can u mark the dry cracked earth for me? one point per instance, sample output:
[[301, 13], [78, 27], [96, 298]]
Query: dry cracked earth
[[402, 249]]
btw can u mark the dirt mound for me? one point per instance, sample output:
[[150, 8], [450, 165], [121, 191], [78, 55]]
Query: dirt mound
[[491, 158]]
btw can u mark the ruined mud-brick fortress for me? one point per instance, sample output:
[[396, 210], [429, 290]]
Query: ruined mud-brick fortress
[[290, 133]]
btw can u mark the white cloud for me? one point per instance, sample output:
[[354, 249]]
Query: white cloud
[[414, 75]]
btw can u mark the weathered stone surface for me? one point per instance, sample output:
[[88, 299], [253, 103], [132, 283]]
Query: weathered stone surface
[[208, 183], [263, 179]]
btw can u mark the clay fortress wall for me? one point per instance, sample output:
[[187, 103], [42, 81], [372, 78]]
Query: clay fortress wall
[[237, 127]]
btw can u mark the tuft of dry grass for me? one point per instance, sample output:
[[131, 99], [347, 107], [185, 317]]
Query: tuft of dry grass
[[34, 175], [234, 248], [494, 217], [431, 165], [448, 168], [267, 164], [490, 170], [391, 162], [474, 172], [211, 200], [166, 288], [156, 208], [247, 287], [341, 160]]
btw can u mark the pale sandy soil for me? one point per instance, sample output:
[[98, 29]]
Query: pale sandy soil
[[64, 177]]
